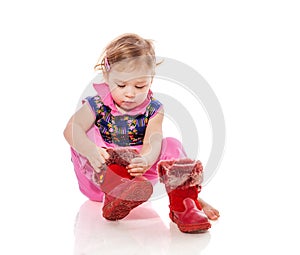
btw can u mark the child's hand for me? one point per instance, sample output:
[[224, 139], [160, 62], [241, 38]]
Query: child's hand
[[97, 158], [138, 166]]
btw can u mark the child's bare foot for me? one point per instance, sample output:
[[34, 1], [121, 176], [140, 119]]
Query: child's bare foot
[[211, 212]]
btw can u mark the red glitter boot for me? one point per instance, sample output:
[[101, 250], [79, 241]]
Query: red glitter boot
[[123, 192], [182, 179]]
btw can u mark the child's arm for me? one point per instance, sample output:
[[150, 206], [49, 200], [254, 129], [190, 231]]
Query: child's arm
[[151, 146], [75, 134]]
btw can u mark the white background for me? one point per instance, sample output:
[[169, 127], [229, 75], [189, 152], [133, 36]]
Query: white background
[[249, 53]]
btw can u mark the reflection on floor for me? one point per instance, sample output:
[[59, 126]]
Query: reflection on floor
[[146, 230]]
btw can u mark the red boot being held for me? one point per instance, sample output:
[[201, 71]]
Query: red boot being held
[[122, 191], [182, 179]]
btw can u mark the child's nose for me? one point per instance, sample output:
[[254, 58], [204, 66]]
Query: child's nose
[[130, 92]]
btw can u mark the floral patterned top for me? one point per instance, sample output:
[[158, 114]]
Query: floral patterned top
[[121, 129]]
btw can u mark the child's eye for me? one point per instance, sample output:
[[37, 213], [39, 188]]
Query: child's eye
[[140, 86], [120, 85]]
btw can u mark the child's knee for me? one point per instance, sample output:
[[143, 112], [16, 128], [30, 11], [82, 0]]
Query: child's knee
[[172, 148], [171, 141]]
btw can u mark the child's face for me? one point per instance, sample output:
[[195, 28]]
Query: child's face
[[129, 89]]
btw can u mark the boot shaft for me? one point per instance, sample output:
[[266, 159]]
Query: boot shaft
[[182, 179], [116, 178], [114, 168]]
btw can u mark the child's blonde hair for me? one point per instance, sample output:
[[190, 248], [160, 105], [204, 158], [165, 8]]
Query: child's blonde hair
[[127, 48]]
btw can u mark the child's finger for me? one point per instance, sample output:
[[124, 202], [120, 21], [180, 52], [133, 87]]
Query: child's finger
[[97, 164], [132, 166], [136, 174], [104, 153], [136, 170], [96, 168]]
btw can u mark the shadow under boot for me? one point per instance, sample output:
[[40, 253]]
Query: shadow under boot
[[122, 191], [182, 179]]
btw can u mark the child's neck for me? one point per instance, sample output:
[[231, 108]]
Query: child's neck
[[120, 109]]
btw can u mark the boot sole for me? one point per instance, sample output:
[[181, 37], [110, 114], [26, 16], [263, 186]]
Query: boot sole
[[136, 194], [191, 228], [194, 228]]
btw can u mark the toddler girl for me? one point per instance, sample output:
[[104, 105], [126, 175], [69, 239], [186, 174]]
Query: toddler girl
[[117, 146]]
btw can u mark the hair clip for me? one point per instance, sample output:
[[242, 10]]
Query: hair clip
[[107, 66]]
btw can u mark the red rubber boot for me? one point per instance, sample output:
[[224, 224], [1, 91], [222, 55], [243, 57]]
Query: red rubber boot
[[182, 179], [122, 191]]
